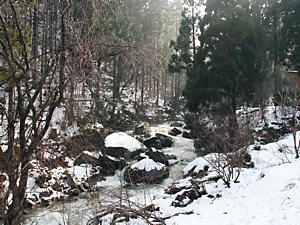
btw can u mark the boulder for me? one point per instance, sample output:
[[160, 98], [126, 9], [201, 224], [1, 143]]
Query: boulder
[[146, 171], [175, 131], [158, 156], [136, 154], [166, 141], [118, 152], [187, 135], [110, 164], [153, 142], [122, 140], [176, 124]]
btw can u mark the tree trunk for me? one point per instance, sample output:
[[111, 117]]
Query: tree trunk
[[35, 37], [165, 89], [276, 67], [143, 87]]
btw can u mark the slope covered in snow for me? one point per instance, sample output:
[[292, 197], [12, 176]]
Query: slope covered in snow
[[268, 194]]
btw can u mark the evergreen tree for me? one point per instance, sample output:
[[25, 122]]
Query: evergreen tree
[[291, 32], [230, 59], [182, 57]]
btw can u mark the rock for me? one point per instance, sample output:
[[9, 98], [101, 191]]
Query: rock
[[175, 132], [136, 154], [197, 173], [120, 139], [158, 156], [123, 153], [188, 196], [118, 152], [187, 135], [257, 147], [86, 158], [91, 141], [110, 164], [142, 129], [166, 141], [176, 124], [153, 142], [172, 190], [146, 171]]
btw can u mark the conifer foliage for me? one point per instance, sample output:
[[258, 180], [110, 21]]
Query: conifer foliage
[[291, 32], [230, 60]]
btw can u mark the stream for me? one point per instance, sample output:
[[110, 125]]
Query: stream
[[80, 209]]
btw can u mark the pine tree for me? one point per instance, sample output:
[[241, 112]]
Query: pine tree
[[291, 32], [230, 58]]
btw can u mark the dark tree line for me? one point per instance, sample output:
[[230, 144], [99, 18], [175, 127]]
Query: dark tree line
[[240, 44]]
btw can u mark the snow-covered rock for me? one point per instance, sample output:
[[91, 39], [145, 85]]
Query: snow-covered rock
[[147, 165], [123, 140], [198, 164], [146, 171]]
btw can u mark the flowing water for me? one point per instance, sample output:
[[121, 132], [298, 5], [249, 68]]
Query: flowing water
[[79, 210]]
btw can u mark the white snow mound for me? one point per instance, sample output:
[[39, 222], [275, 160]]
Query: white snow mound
[[147, 165], [198, 163], [123, 140]]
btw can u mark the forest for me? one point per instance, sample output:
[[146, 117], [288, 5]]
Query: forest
[[177, 101]]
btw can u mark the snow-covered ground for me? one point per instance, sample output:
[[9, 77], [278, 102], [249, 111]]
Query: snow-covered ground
[[268, 194]]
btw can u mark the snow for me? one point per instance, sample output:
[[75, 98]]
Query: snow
[[266, 200], [147, 165], [198, 163], [82, 172], [123, 140], [268, 194]]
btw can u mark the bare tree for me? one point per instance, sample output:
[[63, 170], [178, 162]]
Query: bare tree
[[31, 98], [289, 103]]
